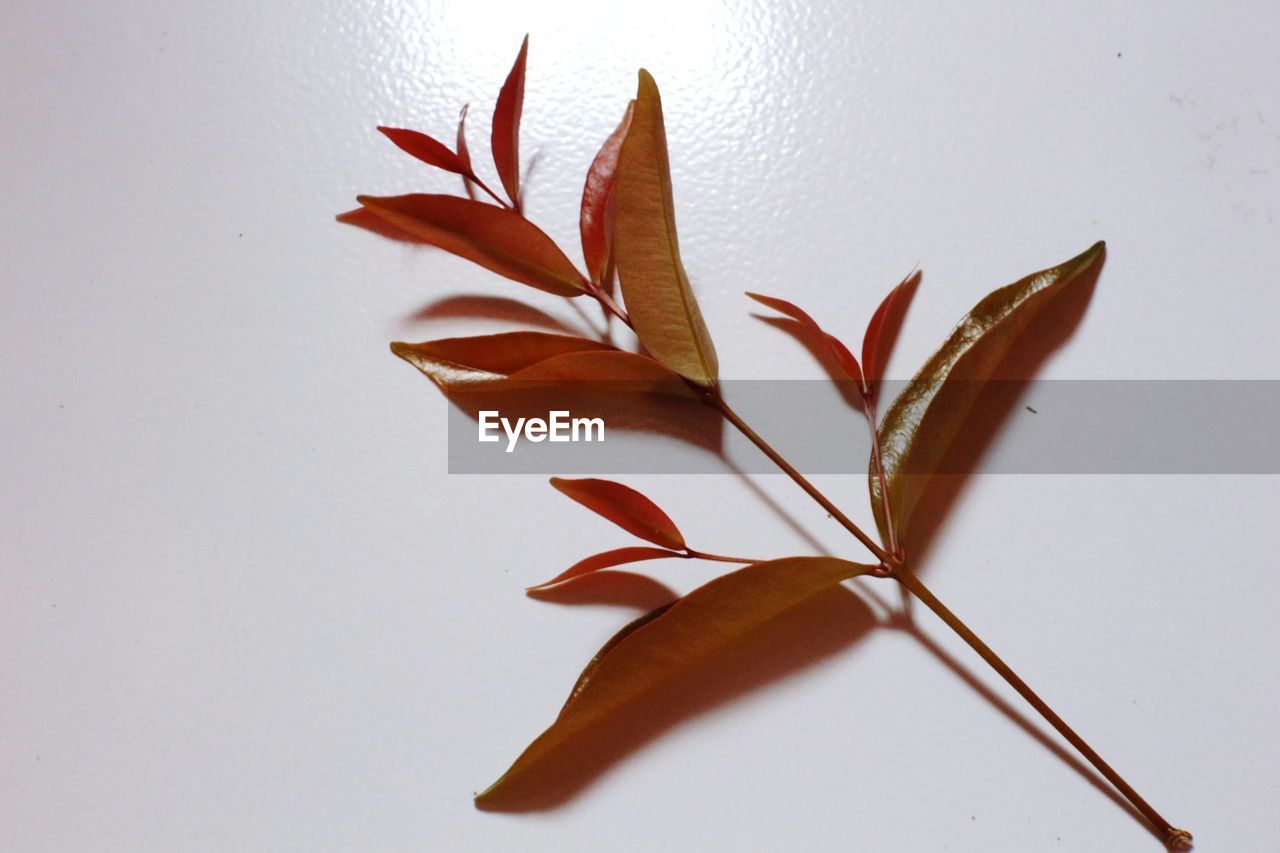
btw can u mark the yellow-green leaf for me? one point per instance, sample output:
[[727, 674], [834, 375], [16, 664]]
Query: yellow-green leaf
[[704, 622], [923, 423], [654, 284]]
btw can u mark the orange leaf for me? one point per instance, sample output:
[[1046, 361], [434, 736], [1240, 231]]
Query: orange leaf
[[589, 671], [505, 138], [625, 507], [843, 357], [664, 645], [485, 358], [605, 560], [499, 240], [593, 222], [882, 331], [654, 283], [426, 149]]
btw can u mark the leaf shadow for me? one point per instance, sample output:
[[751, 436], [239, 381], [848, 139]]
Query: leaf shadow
[[468, 307], [796, 640], [625, 589], [821, 354]]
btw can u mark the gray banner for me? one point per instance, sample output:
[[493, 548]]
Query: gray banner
[[1040, 427]]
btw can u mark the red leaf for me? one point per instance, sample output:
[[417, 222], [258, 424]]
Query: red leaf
[[882, 331], [843, 357], [464, 153], [497, 239], [485, 358], [625, 507], [605, 560], [368, 220], [597, 236], [613, 370], [426, 149], [506, 127]]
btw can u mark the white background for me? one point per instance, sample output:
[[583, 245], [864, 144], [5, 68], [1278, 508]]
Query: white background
[[244, 607]]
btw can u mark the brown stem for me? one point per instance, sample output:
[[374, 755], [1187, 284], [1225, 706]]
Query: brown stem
[[716, 401], [699, 555], [1173, 837]]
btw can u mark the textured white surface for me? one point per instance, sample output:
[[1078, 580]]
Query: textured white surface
[[243, 606]]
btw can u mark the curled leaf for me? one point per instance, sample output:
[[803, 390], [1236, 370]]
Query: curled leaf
[[625, 507], [926, 418], [427, 149], [655, 286], [484, 358], [845, 359], [464, 153], [882, 331], [499, 240], [606, 560], [643, 657], [505, 138], [593, 221]]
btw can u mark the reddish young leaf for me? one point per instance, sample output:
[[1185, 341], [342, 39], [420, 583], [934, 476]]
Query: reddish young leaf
[[505, 138], [926, 418], [843, 357], [499, 240], [605, 560], [368, 220], [882, 331], [663, 646], [464, 153], [484, 358], [426, 149], [655, 286], [593, 222], [625, 507]]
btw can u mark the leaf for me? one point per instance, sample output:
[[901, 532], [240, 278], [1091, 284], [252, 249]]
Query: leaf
[[485, 358], [426, 149], [925, 420], [589, 671], [605, 560], [608, 370], [882, 331], [625, 507], [843, 357], [593, 221], [464, 154], [654, 283], [505, 138], [708, 620], [368, 220], [499, 240]]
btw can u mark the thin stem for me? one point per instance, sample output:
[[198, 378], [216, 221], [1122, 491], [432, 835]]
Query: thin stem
[[699, 555], [1173, 837], [716, 401], [482, 185]]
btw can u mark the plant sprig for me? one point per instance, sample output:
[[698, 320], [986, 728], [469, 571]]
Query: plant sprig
[[628, 235]]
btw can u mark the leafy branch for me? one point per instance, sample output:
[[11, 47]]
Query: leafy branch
[[630, 244]]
